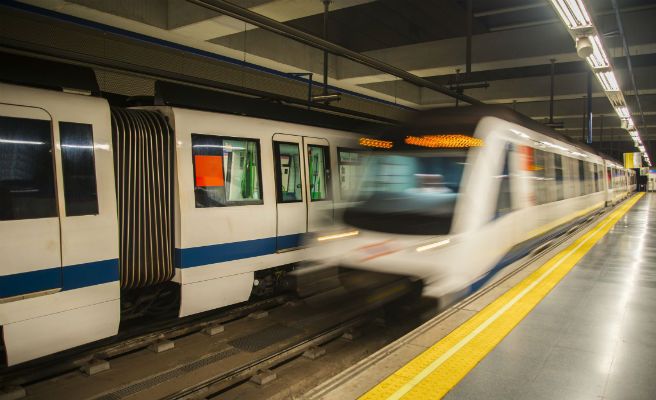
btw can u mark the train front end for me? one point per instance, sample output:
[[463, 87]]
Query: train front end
[[402, 219]]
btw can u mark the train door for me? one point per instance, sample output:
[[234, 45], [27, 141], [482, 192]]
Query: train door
[[291, 202], [320, 207], [30, 242]]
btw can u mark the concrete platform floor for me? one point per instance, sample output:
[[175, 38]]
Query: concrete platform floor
[[593, 336]]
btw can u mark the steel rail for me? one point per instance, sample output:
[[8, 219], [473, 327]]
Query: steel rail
[[253, 18], [223, 381], [127, 342]]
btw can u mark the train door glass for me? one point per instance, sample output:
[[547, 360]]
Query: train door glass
[[318, 183], [30, 236], [78, 168], [582, 183], [291, 205], [350, 171], [558, 169], [319, 173], [504, 197], [288, 170], [539, 169]]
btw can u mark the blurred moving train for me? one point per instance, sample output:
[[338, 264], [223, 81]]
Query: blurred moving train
[[110, 213], [457, 194]]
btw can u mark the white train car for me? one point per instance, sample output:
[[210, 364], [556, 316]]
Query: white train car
[[253, 219], [633, 180], [618, 182], [191, 210], [59, 281], [460, 193]]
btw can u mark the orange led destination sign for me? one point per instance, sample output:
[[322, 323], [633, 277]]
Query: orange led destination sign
[[381, 144], [444, 141]]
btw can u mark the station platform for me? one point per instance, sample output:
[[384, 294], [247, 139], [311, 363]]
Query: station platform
[[576, 323]]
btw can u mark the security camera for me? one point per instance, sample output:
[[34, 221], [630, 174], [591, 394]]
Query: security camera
[[583, 47]]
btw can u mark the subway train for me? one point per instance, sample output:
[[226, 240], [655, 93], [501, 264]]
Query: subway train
[[108, 213], [457, 194]]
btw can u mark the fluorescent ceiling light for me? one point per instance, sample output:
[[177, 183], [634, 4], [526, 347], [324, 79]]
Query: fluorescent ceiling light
[[573, 13], [598, 58], [622, 112], [579, 23], [608, 81]]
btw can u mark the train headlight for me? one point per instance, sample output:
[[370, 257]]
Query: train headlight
[[435, 245], [337, 236]]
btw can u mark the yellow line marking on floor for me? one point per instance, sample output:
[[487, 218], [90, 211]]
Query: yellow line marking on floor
[[437, 370]]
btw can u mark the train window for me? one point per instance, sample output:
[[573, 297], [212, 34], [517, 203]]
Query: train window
[[572, 174], [78, 167], [558, 170], [350, 171], [288, 172], [539, 170], [319, 172], [581, 177], [596, 177], [226, 171], [27, 179], [504, 200]]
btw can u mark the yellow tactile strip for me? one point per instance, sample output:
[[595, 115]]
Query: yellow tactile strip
[[437, 370]]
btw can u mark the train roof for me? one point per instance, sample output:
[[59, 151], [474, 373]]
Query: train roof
[[463, 120]]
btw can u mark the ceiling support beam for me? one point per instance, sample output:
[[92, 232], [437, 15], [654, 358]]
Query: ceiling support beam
[[507, 10], [227, 8]]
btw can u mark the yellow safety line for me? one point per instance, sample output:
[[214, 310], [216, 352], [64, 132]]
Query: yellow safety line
[[437, 370]]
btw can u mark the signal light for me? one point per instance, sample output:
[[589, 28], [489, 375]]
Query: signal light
[[381, 144], [444, 141]]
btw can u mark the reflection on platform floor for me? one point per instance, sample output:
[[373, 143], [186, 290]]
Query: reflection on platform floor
[[593, 336]]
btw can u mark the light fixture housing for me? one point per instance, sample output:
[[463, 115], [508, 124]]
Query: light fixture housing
[[573, 13], [598, 58]]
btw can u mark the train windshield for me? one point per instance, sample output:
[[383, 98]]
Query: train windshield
[[408, 193]]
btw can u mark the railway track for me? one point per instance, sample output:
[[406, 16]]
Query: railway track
[[126, 342]]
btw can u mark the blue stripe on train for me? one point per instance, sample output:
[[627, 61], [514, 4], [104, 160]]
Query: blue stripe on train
[[99, 272], [67, 278], [522, 250], [218, 253]]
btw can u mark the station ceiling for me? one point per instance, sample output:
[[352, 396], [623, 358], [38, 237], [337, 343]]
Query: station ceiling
[[512, 45]]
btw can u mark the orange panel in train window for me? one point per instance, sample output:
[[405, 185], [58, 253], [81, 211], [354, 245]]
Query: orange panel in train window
[[527, 158], [209, 171]]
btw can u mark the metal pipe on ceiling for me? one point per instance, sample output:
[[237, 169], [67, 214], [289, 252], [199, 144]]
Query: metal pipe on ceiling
[[326, 6], [551, 91], [227, 8], [588, 111], [469, 24], [628, 58]]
